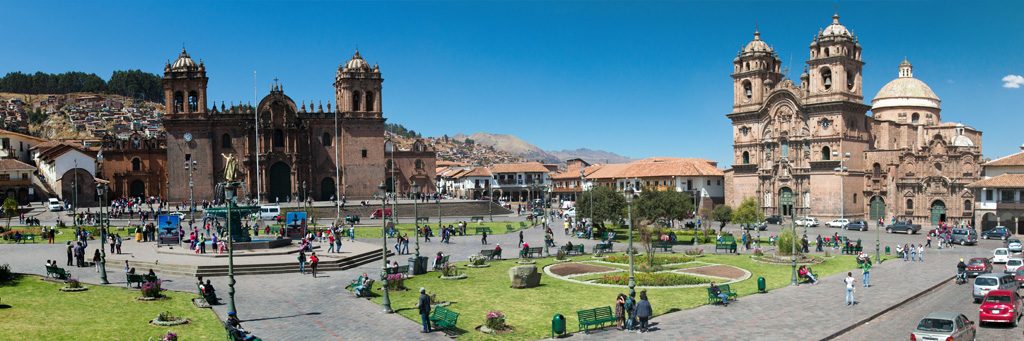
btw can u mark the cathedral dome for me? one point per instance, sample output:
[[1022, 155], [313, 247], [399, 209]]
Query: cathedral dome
[[906, 91], [184, 62], [836, 29], [357, 63], [757, 45]]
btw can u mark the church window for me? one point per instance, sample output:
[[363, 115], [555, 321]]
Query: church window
[[179, 102], [850, 80], [364, 153], [369, 101], [825, 123], [746, 158], [967, 205], [419, 164], [854, 198], [915, 117], [826, 78], [355, 101], [193, 102], [785, 148], [278, 138], [938, 166], [136, 165], [748, 92], [326, 140], [225, 141], [910, 204], [826, 153], [876, 170]]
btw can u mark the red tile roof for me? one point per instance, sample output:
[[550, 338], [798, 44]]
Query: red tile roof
[[1000, 181], [658, 167], [1009, 160], [12, 164]]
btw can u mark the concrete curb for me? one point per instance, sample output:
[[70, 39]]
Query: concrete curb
[[886, 310]]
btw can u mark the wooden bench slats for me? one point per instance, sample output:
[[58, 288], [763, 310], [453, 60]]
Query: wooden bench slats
[[594, 317], [444, 318]]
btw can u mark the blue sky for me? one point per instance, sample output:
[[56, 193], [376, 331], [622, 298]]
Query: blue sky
[[636, 78]]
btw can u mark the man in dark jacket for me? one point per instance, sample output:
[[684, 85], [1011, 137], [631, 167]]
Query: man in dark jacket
[[424, 306], [643, 311]]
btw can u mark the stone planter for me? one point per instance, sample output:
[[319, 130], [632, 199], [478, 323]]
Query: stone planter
[[524, 276], [143, 298], [526, 262], [486, 330], [478, 266], [459, 276], [175, 322], [73, 289]]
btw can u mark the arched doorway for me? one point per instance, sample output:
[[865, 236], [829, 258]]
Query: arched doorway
[[938, 211], [389, 185], [279, 182], [137, 189], [988, 222], [78, 184], [786, 201], [327, 189], [877, 208]]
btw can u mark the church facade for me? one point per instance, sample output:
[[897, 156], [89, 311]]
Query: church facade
[[302, 152], [811, 148]]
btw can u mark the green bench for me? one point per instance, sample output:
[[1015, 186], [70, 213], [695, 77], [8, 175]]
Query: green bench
[[57, 272], [444, 319], [401, 269], [530, 251], [724, 288], [727, 243], [664, 246], [134, 278], [594, 317], [476, 219], [575, 249], [479, 230], [491, 253], [441, 263], [852, 249], [28, 236], [422, 219], [365, 290], [602, 248]]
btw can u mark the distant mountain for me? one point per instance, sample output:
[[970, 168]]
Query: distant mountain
[[590, 155]]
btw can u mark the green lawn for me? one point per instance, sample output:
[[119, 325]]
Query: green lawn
[[498, 227], [40, 312], [530, 311]]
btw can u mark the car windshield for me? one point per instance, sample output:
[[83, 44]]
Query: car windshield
[[985, 281], [997, 299], [1013, 262], [1001, 252], [1020, 271], [977, 261], [935, 325]]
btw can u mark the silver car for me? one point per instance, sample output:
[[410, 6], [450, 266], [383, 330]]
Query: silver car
[[1014, 245], [964, 236], [940, 326]]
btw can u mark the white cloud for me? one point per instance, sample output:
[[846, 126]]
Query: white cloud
[[1013, 81]]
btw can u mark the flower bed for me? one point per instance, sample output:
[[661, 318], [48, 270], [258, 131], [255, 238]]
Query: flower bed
[[166, 319], [641, 258], [660, 279]]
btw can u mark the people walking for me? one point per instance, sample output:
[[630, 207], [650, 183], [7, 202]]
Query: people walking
[[850, 281], [71, 250], [520, 237], [913, 253], [920, 252], [424, 309], [483, 238], [302, 262], [313, 261], [866, 267]]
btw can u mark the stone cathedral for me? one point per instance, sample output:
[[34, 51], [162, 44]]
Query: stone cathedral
[[812, 149]]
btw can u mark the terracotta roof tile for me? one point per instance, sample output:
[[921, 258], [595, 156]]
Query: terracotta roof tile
[[1009, 160], [12, 164], [476, 171], [658, 167], [1000, 181]]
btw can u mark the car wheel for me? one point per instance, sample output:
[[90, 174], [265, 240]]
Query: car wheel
[[910, 231], [888, 230], [984, 236], [862, 229], [962, 243]]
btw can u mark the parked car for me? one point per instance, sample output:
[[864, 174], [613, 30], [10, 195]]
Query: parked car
[[268, 212], [998, 232], [1013, 245], [978, 266], [775, 219], [1001, 306], [948, 326], [1000, 255], [838, 223], [54, 205], [1013, 264], [990, 282], [807, 221], [351, 219], [378, 213], [1019, 276], [964, 236], [571, 213], [756, 226], [857, 225], [903, 227]]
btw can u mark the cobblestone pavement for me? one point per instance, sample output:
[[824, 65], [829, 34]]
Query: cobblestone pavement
[[899, 322]]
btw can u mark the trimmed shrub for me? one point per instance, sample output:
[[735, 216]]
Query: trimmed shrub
[[659, 279], [786, 243], [495, 320], [642, 259], [151, 289]]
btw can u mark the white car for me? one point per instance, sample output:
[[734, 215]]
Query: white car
[[571, 213], [54, 205], [1014, 245], [1013, 264], [1000, 255], [838, 223], [807, 221]]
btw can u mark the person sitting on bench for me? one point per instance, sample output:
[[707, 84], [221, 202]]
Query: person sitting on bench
[[805, 272], [718, 292], [209, 291], [437, 260], [357, 284]]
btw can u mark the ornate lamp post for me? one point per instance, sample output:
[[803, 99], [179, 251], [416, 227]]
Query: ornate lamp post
[[229, 198], [629, 250], [101, 189], [416, 218], [386, 302]]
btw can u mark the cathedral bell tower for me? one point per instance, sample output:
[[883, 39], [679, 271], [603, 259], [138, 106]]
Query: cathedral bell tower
[[184, 86], [357, 88], [835, 65], [756, 70]]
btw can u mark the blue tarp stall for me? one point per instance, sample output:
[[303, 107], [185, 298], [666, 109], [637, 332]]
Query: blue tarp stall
[[296, 224], [167, 229]]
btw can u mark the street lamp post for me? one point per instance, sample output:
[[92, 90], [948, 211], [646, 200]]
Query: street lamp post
[[416, 220], [229, 197], [191, 166], [386, 301], [101, 189], [629, 249]]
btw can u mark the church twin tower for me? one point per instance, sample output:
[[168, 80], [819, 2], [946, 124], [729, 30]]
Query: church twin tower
[[297, 147]]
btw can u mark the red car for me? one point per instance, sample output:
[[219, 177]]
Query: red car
[[1002, 306], [377, 213], [978, 266]]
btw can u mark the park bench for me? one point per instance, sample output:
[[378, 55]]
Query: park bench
[[724, 288], [365, 292], [482, 229], [852, 249], [595, 317], [727, 243], [602, 248], [664, 246], [28, 236], [209, 297], [575, 249], [530, 251], [444, 319], [440, 264], [134, 278], [422, 219], [491, 253], [57, 272], [401, 269], [476, 219]]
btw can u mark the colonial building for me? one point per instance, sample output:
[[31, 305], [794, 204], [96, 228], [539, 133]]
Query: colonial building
[[16, 181], [135, 167], [1001, 194], [300, 152], [414, 166], [68, 170], [809, 148]]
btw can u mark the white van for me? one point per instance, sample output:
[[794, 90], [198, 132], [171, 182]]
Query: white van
[[54, 205], [269, 212], [988, 282], [1000, 255]]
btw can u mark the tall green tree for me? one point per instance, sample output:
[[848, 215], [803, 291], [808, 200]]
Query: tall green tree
[[748, 212], [663, 206], [10, 209], [608, 205]]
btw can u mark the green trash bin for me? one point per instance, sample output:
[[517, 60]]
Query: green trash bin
[[886, 250], [557, 325], [761, 286]]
